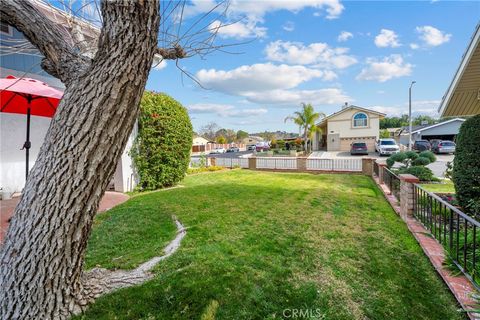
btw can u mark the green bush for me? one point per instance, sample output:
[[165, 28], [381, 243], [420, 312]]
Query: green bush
[[429, 155], [421, 161], [161, 151], [412, 155], [397, 157], [421, 172], [466, 167]]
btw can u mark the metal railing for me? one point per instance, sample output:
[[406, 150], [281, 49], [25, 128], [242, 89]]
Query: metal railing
[[392, 181], [376, 168], [455, 230]]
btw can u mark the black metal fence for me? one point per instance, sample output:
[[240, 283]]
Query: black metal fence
[[452, 228], [392, 181]]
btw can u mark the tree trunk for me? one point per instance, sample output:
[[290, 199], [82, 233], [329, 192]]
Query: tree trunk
[[42, 258]]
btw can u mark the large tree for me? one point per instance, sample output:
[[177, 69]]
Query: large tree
[[41, 260]]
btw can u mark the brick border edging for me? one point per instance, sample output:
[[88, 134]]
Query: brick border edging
[[461, 288]]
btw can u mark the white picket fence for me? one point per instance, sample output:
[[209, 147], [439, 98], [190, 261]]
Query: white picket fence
[[346, 164], [232, 162], [291, 163], [277, 163]]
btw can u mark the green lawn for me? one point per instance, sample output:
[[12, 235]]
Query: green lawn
[[445, 187], [260, 243]]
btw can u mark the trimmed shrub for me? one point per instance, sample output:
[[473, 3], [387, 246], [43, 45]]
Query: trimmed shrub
[[397, 157], [429, 155], [420, 161], [412, 155], [161, 151], [421, 172], [466, 167]]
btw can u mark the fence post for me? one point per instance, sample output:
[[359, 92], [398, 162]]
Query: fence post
[[213, 162], [252, 163], [406, 194], [302, 164], [367, 166], [381, 172]]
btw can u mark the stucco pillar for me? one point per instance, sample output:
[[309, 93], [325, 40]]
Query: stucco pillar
[[213, 161], [381, 166], [367, 166], [302, 164], [406, 194], [252, 163]]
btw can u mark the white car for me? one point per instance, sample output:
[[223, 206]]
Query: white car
[[386, 147], [218, 151]]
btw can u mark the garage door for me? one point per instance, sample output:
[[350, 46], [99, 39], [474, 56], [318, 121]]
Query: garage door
[[346, 142]]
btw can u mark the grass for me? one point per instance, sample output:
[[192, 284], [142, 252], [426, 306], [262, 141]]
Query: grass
[[445, 187], [260, 243]]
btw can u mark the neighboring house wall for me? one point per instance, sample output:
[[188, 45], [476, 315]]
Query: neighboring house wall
[[342, 125], [444, 131], [199, 141]]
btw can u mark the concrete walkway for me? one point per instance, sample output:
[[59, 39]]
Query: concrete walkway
[[109, 200]]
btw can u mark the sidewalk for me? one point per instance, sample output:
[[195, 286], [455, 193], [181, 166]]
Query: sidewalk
[[109, 200]]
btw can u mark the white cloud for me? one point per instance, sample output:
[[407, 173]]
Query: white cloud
[[387, 38], [344, 36], [253, 12], [289, 26], [258, 77], [419, 107], [385, 69], [319, 54], [238, 30], [432, 37], [414, 46], [333, 96], [225, 110]]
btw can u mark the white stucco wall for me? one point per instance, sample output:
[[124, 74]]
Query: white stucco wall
[[343, 124], [12, 137], [12, 159]]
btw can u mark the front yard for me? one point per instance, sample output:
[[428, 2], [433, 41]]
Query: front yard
[[260, 245]]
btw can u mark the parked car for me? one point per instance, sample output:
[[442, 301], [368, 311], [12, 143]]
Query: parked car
[[421, 145], [233, 149], [218, 151], [358, 148], [444, 147], [251, 147], [262, 146], [386, 147]]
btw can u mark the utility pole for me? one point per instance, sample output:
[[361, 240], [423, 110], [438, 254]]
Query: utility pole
[[410, 116]]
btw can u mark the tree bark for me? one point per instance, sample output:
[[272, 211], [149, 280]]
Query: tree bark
[[42, 258]]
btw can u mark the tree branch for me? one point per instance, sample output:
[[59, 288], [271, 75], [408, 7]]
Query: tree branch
[[172, 53], [61, 60]]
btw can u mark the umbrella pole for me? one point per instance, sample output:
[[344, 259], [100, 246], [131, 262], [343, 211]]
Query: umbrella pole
[[27, 142]]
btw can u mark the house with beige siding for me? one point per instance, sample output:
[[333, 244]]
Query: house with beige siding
[[351, 124]]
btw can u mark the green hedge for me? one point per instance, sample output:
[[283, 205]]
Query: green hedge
[[161, 151], [466, 167]]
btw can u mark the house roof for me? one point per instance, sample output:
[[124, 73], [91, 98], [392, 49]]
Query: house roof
[[416, 129], [463, 95], [350, 107]]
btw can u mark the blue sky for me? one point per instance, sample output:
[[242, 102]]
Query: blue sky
[[325, 52]]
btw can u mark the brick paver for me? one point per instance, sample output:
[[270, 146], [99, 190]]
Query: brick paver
[[109, 200]]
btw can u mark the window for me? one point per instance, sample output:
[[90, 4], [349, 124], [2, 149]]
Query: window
[[360, 120], [5, 29]]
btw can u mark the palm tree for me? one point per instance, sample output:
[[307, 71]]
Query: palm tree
[[306, 120]]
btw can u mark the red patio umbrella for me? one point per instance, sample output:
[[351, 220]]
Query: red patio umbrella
[[30, 97]]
